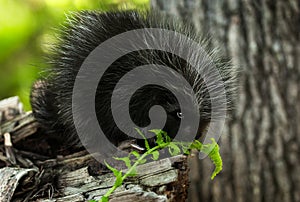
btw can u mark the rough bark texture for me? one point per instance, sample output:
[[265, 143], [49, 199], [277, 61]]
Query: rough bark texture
[[261, 143]]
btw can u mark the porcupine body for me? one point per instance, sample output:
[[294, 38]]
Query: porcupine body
[[51, 97]]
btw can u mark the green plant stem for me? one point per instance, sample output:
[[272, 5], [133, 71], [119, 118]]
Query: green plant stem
[[111, 190], [212, 150], [142, 157]]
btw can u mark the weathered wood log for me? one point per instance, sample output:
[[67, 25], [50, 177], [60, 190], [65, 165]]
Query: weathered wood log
[[38, 177], [9, 108], [164, 180]]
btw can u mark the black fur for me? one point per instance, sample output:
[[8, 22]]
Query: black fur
[[51, 97]]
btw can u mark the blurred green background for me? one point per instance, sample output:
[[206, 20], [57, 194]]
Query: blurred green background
[[27, 28]]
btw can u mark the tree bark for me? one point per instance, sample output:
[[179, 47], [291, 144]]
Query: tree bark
[[261, 143]]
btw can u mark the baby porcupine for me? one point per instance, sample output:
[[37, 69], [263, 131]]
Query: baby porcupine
[[51, 96]]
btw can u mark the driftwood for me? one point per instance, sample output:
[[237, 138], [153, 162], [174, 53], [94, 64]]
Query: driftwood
[[31, 171]]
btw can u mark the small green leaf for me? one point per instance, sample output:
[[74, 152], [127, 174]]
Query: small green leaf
[[146, 141], [126, 161], [115, 171], [142, 161], [167, 138], [212, 150], [159, 138], [155, 131], [196, 145], [136, 154], [119, 180], [173, 149], [186, 147], [155, 155]]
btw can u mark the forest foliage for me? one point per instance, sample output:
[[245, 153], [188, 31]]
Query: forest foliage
[[28, 27]]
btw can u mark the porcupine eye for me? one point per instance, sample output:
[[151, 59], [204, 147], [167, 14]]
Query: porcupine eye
[[179, 115]]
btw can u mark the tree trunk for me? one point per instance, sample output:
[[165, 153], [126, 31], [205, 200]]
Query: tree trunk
[[261, 143]]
